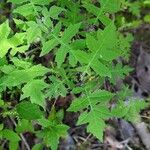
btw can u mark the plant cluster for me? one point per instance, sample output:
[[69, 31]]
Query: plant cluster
[[51, 49]]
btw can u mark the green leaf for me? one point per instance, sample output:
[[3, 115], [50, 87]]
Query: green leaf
[[147, 2], [107, 6], [24, 126], [134, 109], [100, 49], [48, 46], [10, 135], [20, 24], [17, 39], [29, 111], [120, 110], [110, 6], [21, 63], [73, 13], [55, 11], [33, 32], [33, 89], [37, 147], [70, 32], [96, 103], [52, 131], [98, 12], [4, 30], [61, 55], [25, 10], [45, 122], [17, 2], [135, 8], [91, 42], [41, 2], [37, 71], [64, 41], [1, 126], [81, 56], [52, 140], [100, 69], [38, 2], [46, 20], [7, 68], [52, 136], [3, 61], [56, 88], [20, 49], [78, 104], [125, 44], [147, 18], [8, 43], [5, 46], [17, 77], [90, 99], [4, 42], [109, 50], [124, 92], [119, 71], [96, 124], [13, 145], [130, 111]]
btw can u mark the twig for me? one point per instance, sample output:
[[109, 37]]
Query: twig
[[30, 51], [87, 138], [143, 133], [3, 144], [128, 147], [145, 117]]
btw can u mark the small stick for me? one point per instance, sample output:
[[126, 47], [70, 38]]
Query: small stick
[[143, 133]]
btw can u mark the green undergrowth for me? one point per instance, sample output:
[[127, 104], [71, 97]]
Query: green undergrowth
[[51, 49]]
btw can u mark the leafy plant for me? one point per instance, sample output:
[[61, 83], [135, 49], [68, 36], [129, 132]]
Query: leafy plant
[[80, 44]]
